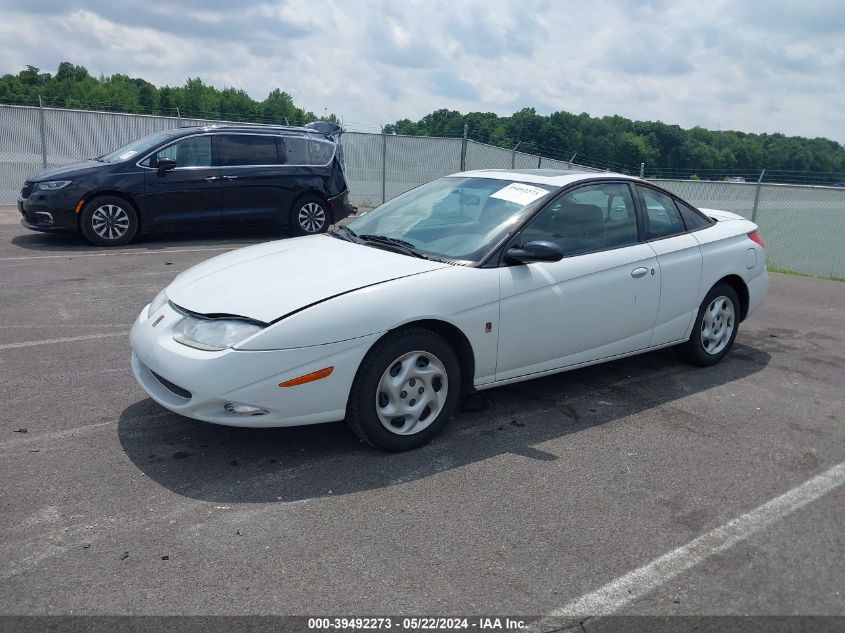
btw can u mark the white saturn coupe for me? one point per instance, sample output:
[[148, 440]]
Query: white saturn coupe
[[469, 282]]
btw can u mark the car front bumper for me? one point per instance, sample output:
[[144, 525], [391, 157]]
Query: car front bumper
[[199, 384], [49, 213]]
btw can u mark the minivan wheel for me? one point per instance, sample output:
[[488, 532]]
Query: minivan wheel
[[108, 221], [715, 327], [405, 391], [309, 216]]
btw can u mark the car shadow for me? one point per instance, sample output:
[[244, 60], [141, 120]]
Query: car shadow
[[73, 243], [235, 465]]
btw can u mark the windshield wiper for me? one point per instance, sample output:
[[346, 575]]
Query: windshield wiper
[[386, 239], [393, 243], [343, 233]]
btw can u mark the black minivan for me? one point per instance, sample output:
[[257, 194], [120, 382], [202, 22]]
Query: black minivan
[[193, 177]]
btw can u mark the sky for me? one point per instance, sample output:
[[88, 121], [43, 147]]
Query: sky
[[761, 66]]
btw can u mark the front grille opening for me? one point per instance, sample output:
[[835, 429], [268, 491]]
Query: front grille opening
[[175, 389], [27, 190]]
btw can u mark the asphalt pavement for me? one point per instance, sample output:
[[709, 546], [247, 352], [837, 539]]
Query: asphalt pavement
[[556, 491]]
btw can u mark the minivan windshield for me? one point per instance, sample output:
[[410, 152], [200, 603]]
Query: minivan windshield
[[459, 218], [136, 148]]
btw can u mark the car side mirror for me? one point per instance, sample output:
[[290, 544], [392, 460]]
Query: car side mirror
[[165, 164], [538, 251]]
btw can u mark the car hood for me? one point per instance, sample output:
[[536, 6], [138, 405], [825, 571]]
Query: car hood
[[268, 281], [67, 171]]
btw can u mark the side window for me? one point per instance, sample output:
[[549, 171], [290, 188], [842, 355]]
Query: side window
[[692, 218], [589, 219], [194, 151], [662, 217], [246, 149], [296, 149], [319, 152]]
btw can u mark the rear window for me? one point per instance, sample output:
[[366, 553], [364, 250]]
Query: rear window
[[693, 218], [662, 218]]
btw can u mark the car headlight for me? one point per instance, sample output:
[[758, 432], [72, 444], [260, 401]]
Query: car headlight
[[53, 185], [159, 301], [214, 334]]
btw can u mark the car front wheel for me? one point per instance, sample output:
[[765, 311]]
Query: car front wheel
[[108, 221], [406, 389], [715, 328]]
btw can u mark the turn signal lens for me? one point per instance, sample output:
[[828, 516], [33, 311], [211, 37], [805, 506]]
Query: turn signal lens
[[314, 375], [755, 236]]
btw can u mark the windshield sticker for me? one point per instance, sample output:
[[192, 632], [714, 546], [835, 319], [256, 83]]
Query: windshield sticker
[[126, 155], [519, 193]]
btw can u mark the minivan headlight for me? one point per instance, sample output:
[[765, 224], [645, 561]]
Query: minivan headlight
[[214, 334], [53, 185]]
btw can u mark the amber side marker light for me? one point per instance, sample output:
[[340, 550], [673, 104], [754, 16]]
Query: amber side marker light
[[79, 205], [314, 375]]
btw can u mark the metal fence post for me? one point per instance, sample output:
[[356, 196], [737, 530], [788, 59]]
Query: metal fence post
[[178, 117], [757, 196], [464, 149], [539, 161], [513, 154], [383, 166], [642, 170], [43, 133]]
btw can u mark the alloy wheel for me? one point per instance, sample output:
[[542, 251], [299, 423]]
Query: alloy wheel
[[110, 222], [312, 217]]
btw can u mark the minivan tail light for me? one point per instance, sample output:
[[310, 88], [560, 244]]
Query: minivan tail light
[[755, 236]]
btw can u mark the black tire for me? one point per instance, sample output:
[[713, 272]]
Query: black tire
[[309, 215], [695, 350], [361, 413], [108, 221]]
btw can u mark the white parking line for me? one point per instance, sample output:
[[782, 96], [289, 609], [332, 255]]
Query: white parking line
[[633, 585], [163, 251], [67, 339]]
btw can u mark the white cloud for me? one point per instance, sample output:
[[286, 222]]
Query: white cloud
[[752, 66]]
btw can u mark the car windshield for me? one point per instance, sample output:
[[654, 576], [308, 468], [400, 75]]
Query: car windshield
[[135, 148], [458, 218]]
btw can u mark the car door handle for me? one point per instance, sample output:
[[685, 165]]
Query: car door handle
[[230, 177], [639, 272], [211, 178]]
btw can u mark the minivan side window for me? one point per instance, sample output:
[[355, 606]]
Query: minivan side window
[[296, 149], [247, 149], [319, 152], [308, 151], [662, 218], [193, 151]]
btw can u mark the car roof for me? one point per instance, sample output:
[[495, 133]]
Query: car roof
[[553, 177]]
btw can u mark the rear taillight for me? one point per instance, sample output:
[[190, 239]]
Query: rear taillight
[[755, 236]]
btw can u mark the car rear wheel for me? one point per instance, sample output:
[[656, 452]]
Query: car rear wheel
[[108, 221], [309, 216], [405, 391], [715, 328]]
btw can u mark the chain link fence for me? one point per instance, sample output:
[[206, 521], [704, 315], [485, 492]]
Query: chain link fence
[[801, 224]]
